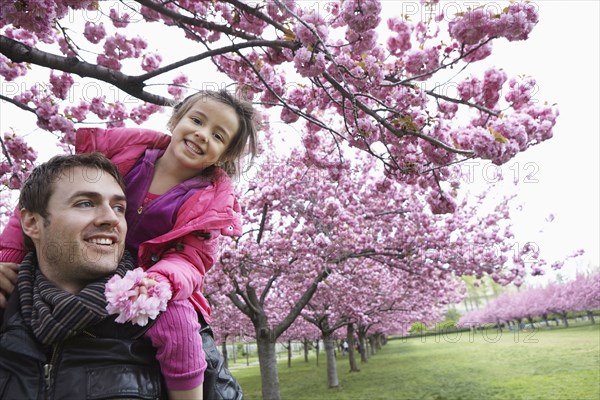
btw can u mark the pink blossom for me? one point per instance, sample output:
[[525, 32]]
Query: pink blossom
[[61, 84], [441, 204], [18, 149], [99, 107], [470, 88], [472, 27], [141, 113], [120, 47], [61, 124], [77, 112], [119, 21], [447, 108], [279, 13], [478, 52], [399, 43], [520, 91], [288, 116], [118, 114], [308, 63], [517, 22], [65, 48], [418, 62], [361, 15], [34, 16], [311, 22], [135, 297], [108, 62], [46, 108], [11, 70], [150, 62], [22, 35], [493, 81], [94, 32], [362, 42], [178, 87]]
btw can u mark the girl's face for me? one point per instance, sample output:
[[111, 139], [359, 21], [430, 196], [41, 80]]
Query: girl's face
[[203, 134]]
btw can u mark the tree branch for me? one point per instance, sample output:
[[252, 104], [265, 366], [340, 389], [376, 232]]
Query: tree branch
[[19, 52], [302, 301], [18, 104], [262, 222], [215, 52], [399, 133], [175, 16]]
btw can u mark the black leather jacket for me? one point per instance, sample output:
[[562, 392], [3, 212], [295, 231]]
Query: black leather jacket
[[107, 361]]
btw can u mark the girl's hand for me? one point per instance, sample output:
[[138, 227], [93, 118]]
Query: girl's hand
[[8, 280]]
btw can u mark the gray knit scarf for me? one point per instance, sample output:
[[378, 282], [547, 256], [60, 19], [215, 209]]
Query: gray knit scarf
[[55, 314]]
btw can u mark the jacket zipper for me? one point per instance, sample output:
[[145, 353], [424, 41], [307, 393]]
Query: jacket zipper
[[49, 369]]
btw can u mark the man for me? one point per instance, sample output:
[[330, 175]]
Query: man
[[59, 345], [57, 341]]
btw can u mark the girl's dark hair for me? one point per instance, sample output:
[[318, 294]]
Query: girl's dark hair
[[245, 137]]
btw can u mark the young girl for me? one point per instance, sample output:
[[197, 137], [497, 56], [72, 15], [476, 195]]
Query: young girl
[[179, 201]]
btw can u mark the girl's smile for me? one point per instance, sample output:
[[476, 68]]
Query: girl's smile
[[200, 137]]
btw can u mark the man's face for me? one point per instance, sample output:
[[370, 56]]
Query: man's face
[[83, 237]]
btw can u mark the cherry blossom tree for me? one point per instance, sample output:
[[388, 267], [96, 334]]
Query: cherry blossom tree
[[335, 67], [363, 243], [586, 290], [347, 298]]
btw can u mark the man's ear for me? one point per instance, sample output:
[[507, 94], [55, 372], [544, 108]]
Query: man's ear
[[30, 223]]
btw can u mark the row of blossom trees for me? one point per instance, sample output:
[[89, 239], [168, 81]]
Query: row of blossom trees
[[336, 248], [580, 295]]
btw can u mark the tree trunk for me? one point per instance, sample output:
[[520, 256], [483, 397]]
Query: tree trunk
[[564, 318], [224, 351], [267, 358], [317, 350], [591, 316], [371, 345], [305, 342], [351, 344], [290, 353], [332, 375], [362, 348], [545, 316], [247, 354], [234, 350]]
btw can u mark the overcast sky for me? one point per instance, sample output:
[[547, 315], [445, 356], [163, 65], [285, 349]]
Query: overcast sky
[[563, 55]]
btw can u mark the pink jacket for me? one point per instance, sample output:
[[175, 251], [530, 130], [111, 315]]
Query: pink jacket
[[182, 254]]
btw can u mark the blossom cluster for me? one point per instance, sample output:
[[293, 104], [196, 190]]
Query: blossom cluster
[[136, 297], [476, 25], [17, 161]]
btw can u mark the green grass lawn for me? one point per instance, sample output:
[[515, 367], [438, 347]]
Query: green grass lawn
[[544, 364]]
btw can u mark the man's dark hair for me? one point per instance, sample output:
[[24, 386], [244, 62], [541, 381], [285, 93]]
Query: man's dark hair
[[39, 186]]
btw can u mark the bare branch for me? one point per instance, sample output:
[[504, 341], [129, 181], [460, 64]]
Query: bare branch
[[262, 222], [302, 301], [18, 104], [175, 16], [215, 52]]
